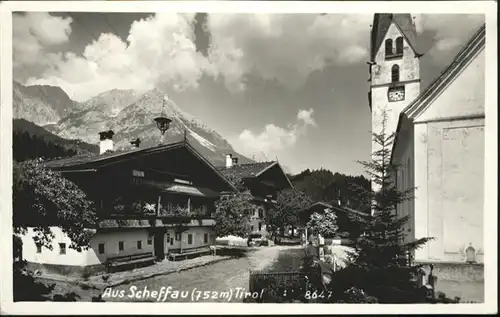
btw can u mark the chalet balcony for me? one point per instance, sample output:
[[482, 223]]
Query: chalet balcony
[[139, 208]]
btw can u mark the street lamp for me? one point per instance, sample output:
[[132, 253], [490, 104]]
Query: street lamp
[[162, 122]]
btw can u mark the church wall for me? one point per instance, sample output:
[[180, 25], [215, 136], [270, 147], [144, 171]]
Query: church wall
[[404, 158], [455, 189], [420, 222], [464, 96]]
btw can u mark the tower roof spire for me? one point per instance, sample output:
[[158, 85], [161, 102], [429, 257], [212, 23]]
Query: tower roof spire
[[381, 24]]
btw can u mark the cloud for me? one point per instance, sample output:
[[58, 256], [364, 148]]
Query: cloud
[[451, 31], [306, 116], [274, 139], [33, 32], [286, 47], [159, 50]]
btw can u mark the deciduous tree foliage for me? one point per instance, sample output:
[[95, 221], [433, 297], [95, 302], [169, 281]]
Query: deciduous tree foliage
[[289, 203], [233, 212], [324, 224], [43, 198]]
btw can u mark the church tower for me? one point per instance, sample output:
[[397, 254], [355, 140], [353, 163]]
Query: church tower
[[394, 68]]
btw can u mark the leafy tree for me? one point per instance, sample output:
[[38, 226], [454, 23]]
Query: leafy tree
[[41, 199], [381, 266], [323, 223], [232, 214], [285, 212]]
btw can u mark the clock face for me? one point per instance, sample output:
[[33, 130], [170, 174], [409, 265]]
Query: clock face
[[396, 94]]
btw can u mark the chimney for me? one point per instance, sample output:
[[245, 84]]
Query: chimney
[[235, 161], [106, 144], [229, 160]]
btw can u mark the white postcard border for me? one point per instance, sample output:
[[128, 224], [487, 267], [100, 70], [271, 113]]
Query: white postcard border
[[489, 8]]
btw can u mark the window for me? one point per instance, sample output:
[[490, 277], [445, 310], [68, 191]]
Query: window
[[205, 238], [38, 247], [177, 236], [150, 240], [120, 245], [399, 45], [101, 248], [260, 226], [261, 212], [395, 73], [251, 227], [139, 245], [190, 238], [62, 248], [171, 241], [388, 47]]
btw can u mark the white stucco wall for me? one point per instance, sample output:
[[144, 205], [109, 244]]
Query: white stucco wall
[[462, 97], [255, 219], [198, 238], [404, 157], [111, 241], [449, 169], [47, 256], [455, 191], [91, 256]]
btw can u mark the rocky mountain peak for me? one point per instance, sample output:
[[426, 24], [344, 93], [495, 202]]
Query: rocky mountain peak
[[130, 114]]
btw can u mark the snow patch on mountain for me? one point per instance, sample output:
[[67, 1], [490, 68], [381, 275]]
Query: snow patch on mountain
[[202, 140]]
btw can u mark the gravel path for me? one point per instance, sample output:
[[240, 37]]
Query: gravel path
[[215, 278]]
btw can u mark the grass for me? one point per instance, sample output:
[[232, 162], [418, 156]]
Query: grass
[[288, 261]]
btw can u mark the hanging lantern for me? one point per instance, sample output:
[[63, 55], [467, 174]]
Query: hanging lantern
[[162, 122]]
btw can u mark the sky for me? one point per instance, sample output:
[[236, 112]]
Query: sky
[[291, 87]]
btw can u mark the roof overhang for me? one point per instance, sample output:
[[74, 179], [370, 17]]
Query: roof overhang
[[94, 164]]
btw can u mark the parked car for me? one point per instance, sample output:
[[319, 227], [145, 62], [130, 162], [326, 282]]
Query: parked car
[[256, 239]]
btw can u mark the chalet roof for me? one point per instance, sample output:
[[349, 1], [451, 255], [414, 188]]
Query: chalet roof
[[250, 170], [381, 24], [319, 203], [470, 50], [81, 159], [352, 211], [72, 163], [341, 208], [246, 170]]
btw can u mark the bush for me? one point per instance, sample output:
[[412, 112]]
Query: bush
[[441, 298]]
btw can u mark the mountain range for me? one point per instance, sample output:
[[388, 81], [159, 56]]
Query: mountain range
[[130, 114]]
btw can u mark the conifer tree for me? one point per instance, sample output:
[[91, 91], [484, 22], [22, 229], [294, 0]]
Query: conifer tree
[[381, 263]]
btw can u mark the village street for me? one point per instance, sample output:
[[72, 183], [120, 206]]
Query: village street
[[218, 277]]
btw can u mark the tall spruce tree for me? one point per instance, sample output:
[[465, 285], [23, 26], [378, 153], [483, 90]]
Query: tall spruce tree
[[382, 259]]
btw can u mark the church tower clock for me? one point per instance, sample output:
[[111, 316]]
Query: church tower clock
[[394, 68]]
